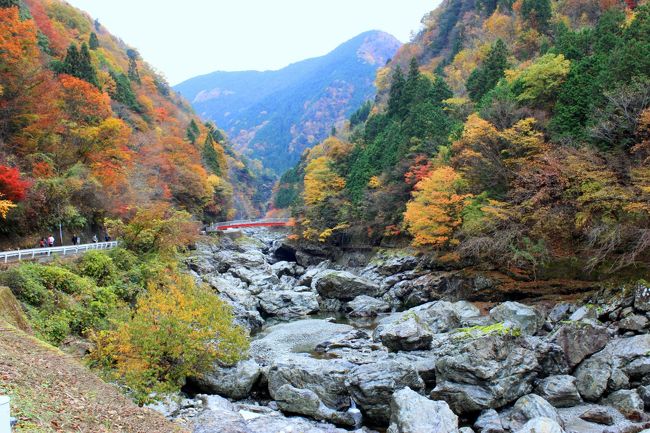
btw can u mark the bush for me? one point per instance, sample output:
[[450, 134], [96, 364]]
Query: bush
[[178, 330], [26, 285], [98, 266], [123, 259]]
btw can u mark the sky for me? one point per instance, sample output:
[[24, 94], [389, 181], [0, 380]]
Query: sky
[[182, 39]]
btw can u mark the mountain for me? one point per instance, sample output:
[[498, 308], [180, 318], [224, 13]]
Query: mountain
[[512, 136], [275, 115]]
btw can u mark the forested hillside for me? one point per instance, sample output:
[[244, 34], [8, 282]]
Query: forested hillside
[[512, 135], [274, 116], [88, 130]]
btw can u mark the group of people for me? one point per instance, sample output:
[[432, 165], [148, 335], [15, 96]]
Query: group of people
[[46, 242], [76, 240]]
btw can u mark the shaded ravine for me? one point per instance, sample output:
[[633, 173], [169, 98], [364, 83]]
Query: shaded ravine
[[334, 349]]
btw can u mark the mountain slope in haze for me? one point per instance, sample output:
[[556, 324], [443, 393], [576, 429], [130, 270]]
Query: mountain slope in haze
[[274, 115]]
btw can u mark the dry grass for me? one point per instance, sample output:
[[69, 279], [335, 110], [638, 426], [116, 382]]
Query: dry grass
[[52, 392]]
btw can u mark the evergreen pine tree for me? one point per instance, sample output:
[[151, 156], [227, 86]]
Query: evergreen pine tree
[[485, 77], [93, 42], [86, 69], [396, 94], [537, 12], [210, 156], [134, 73], [192, 132], [8, 3]]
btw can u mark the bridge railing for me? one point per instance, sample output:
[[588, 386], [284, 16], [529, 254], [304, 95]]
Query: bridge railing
[[226, 224], [35, 253]]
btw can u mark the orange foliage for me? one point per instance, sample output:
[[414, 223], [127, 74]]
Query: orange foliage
[[83, 101]]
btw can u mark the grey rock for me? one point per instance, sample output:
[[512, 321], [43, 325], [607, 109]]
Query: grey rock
[[529, 407], [413, 413], [372, 387], [634, 322], [284, 268], [560, 312], [486, 372], [396, 264], [343, 285], [307, 402], [584, 313], [489, 422], [627, 401], [232, 382], [541, 425], [598, 415], [644, 393], [528, 319], [366, 306], [579, 340], [426, 288], [465, 430], [285, 303], [612, 368], [642, 297], [407, 333], [325, 378], [559, 390]]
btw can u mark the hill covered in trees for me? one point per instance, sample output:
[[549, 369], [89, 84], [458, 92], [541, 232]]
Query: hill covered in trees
[[511, 135], [274, 116], [88, 130]]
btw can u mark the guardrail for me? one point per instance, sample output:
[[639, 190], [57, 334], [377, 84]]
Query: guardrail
[[36, 253], [265, 222]]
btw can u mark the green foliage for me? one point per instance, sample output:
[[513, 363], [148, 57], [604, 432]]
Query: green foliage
[[176, 331], [93, 42], [192, 132], [485, 77], [540, 83], [538, 13], [211, 157], [9, 3], [361, 115], [134, 73], [123, 92], [78, 63], [99, 266]]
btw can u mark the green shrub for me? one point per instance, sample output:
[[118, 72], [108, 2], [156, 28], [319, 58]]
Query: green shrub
[[51, 327], [64, 280], [98, 266], [123, 259], [25, 283]]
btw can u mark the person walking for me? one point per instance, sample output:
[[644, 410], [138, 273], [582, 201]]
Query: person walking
[[74, 239], [41, 243], [50, 241], [95, 240], [78, 240]]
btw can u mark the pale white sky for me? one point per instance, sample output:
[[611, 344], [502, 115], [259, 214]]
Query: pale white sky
[[186, 38]]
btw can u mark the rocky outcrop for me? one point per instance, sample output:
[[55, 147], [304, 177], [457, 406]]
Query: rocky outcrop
[[372, 386], [343, 285], [541, 425], [366, 306], [487, 372], [289, 303], [611, 369], [232, 382], [579, 340], [413, 413], [526, 318], [407, 333]]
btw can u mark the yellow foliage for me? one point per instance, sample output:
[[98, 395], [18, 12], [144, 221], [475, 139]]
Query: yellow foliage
[[321, 181], [5, 207], [374, 182], [434, 212]]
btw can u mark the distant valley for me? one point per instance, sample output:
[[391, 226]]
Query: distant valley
[[274, 116]]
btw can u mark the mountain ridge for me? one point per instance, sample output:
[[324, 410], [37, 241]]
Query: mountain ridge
[[268, 113]]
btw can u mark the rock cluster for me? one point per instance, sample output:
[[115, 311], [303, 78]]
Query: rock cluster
[[411, 357]]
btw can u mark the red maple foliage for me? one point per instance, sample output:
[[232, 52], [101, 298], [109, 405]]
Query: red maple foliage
[[12, 187]]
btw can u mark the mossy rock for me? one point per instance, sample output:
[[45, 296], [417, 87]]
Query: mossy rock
[[501, 328], [12, 312]]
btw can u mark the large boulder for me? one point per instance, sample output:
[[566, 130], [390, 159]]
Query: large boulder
[[485, 372], [395, 264], [324, 377], [366, 306], [627, 401], [413, 413], [579, 340], [489, 422], [306, 402], [426, 288], [529, 407], [408, 333], [286, 303], [541, 425], [559, 390], [527, 319], [372, 386], [233, 382], [622, 360], [343, 285]]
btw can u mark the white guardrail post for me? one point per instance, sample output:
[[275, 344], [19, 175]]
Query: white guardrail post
[[5, 418]]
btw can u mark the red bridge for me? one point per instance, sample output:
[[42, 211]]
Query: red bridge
[[238, 224]]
